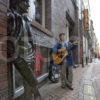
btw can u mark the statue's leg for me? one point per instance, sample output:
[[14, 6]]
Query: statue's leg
[[27, 73]]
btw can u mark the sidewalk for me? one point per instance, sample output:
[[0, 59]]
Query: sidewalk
[[87, 91], [52, 91], [96, 80]]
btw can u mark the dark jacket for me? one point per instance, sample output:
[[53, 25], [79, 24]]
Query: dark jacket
[[69, 46]]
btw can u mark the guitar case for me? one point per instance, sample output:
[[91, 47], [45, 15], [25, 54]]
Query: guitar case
[[54, 72]]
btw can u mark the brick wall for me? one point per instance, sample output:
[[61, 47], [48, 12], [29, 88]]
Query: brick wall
[[3, 51]]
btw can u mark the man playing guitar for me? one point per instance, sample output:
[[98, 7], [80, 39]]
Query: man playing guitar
[[62, 56]]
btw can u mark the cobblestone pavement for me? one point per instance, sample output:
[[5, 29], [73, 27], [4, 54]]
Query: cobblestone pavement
[[54, 91]]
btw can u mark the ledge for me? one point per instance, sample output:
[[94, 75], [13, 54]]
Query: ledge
[[41, 28]]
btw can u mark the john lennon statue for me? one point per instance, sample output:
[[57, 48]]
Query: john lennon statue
[[19, 28]]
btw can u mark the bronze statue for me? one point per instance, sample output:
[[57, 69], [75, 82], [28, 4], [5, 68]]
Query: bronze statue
[[18, 27]]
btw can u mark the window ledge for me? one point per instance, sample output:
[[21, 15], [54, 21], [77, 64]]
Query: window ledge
[[41, 28]]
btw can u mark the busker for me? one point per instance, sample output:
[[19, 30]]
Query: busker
[[63, 57]]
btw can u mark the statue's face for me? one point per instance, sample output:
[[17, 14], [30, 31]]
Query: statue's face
[[24, 5]]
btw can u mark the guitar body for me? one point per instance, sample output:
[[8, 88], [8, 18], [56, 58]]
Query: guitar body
[[59, 57]]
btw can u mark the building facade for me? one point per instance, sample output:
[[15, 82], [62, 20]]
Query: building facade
[[64, 18], [48, 19], [86, 30]]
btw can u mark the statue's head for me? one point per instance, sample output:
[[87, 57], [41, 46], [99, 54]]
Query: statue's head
[[20, 6]]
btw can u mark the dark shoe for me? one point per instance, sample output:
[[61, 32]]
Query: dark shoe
[[70, 87], [63, 86], [75, 66], [38, 97]]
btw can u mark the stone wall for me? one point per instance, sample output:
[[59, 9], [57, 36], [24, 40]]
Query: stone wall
[[59, 23]]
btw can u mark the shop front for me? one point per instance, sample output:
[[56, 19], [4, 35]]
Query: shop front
[[43, 44]]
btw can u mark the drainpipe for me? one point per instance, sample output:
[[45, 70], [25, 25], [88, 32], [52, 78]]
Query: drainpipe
[[82, 24], [79, 39]]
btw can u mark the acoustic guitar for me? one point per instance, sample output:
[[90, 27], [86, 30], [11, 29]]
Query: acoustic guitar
[[58, 58]]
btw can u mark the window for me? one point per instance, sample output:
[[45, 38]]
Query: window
[[32, 9], [18, 79], [18, 88], [37, 11], [41, 65], [40, 11]]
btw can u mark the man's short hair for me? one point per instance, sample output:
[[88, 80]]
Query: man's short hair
[[61, 34]]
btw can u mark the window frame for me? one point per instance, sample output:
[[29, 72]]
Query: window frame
[[16, 91], [42, 13]]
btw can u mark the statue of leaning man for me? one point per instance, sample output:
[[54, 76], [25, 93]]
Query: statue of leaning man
[[19, 28]]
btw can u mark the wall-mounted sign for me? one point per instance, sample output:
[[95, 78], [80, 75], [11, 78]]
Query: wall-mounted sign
[[41, 38], [86, 20]]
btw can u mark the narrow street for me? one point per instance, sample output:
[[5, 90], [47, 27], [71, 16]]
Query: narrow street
[[86, 85]]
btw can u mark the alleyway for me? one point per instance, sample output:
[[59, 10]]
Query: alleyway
[[86, 85]]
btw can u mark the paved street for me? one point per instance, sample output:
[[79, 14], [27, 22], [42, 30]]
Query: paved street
[[86, 85], [55, 92]]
